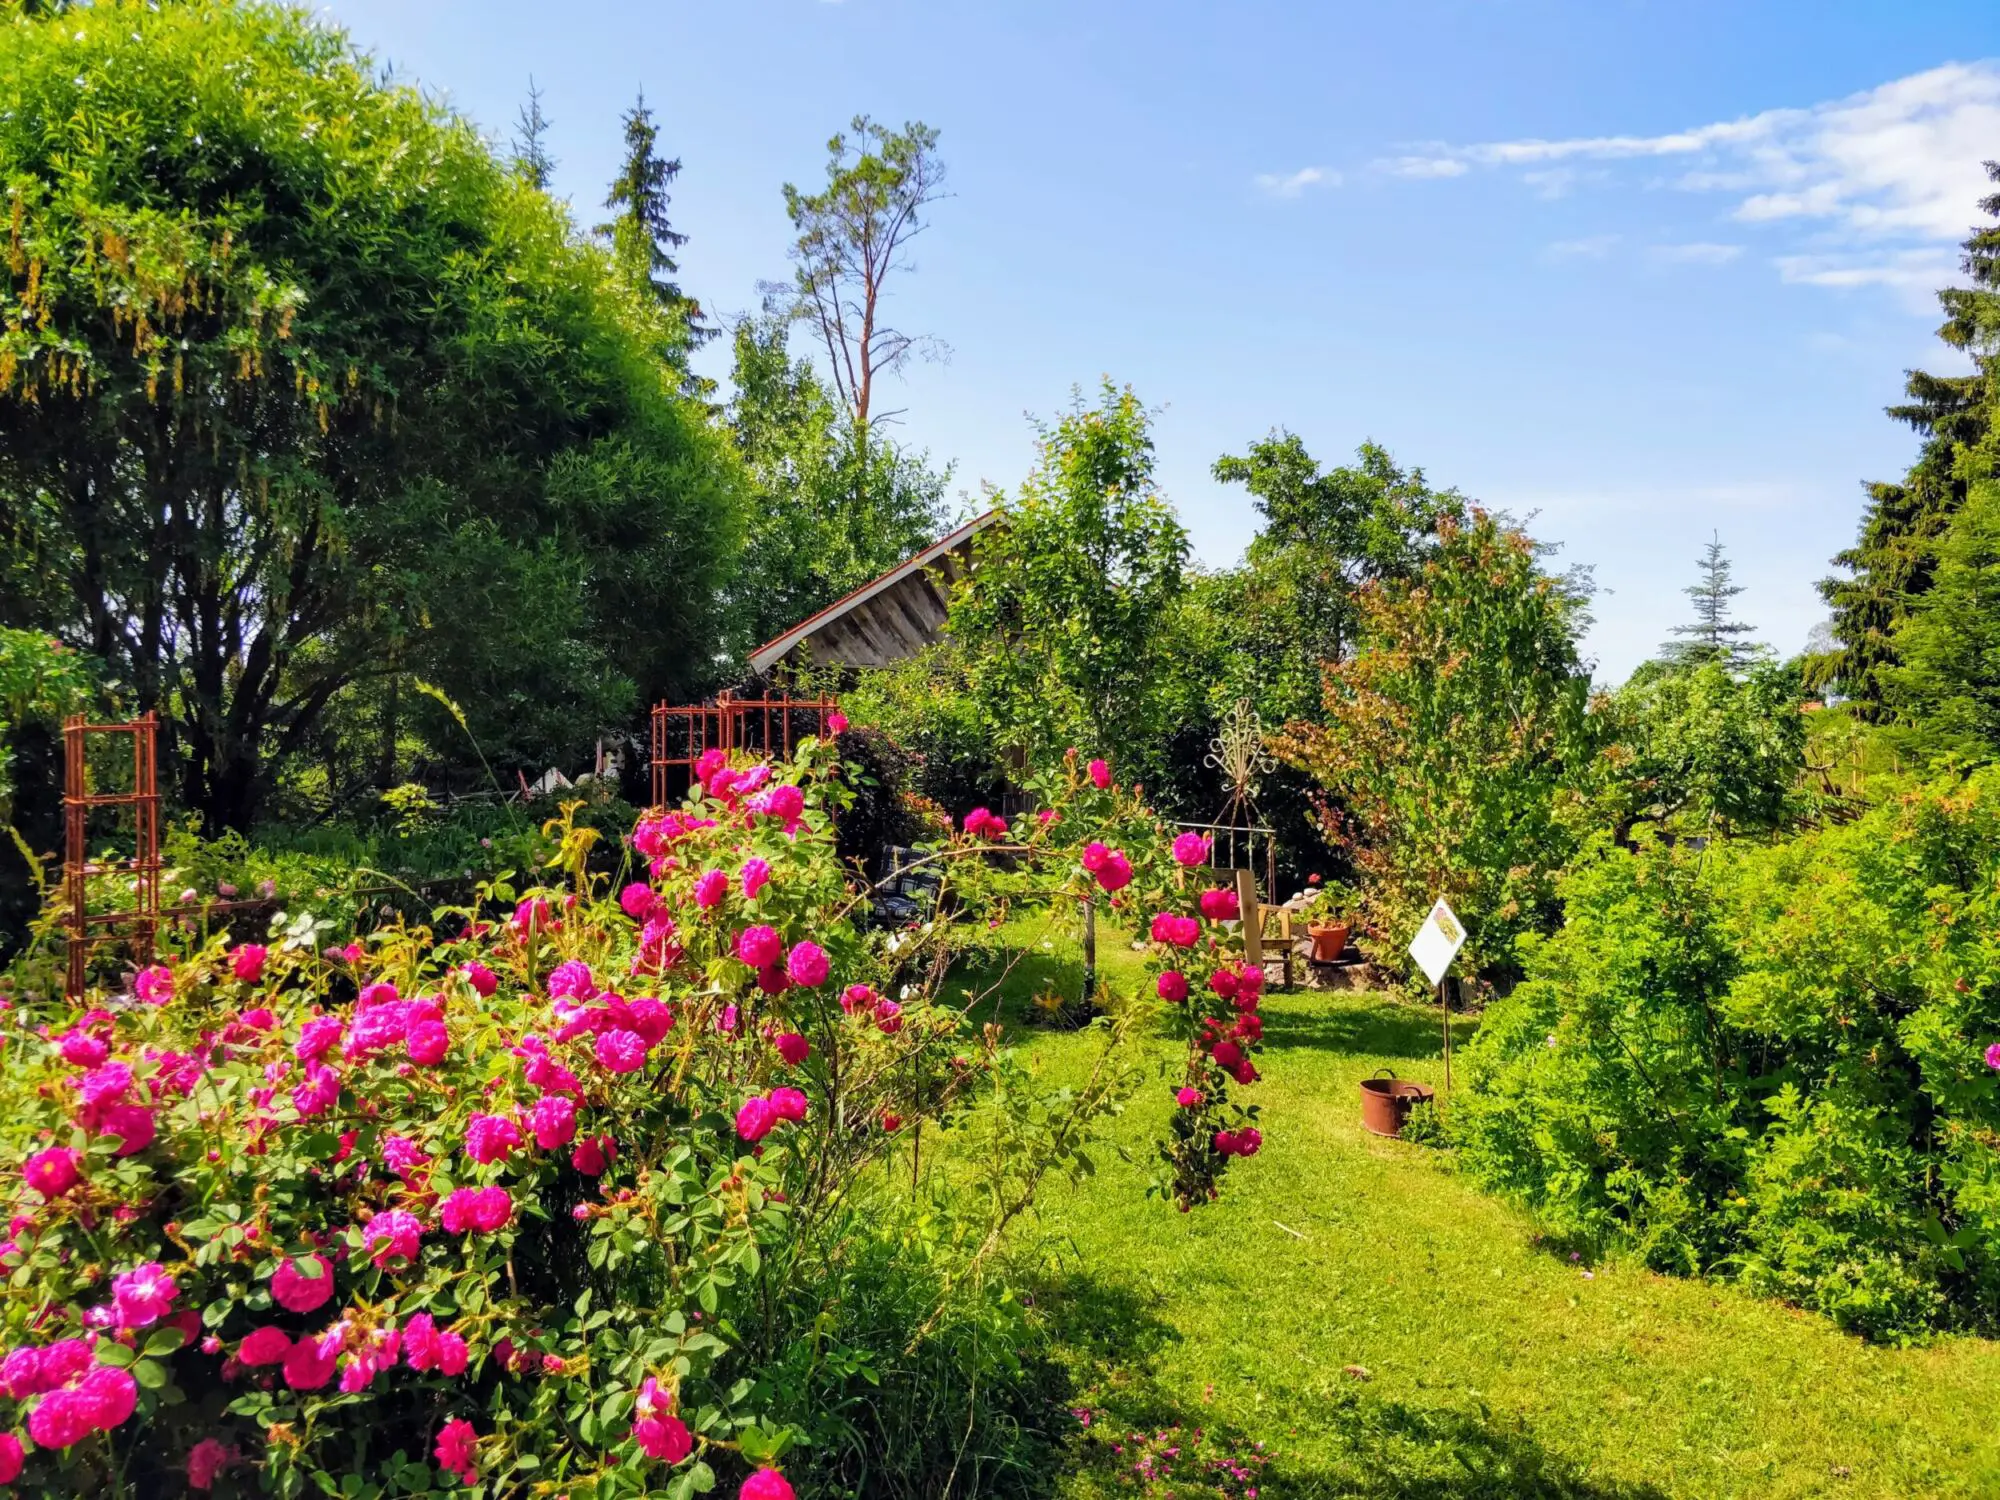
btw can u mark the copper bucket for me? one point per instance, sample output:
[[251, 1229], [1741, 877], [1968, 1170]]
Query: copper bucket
[[1386, 1101]]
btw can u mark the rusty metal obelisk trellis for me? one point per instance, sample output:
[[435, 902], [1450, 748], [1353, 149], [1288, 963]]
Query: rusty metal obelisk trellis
[[143, 867], [762, 726]]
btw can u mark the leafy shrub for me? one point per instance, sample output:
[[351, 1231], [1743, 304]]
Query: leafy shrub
[[1771, 1062], [436, 1210]]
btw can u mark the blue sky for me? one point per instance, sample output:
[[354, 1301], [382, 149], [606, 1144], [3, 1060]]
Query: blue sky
[[1646, 270]]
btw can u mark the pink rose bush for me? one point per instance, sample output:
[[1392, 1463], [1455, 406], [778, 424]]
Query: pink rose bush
[[457, 1195]]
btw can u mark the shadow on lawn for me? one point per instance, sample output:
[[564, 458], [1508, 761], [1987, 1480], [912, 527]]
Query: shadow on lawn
[[1383, 1028], [1122, 1355]]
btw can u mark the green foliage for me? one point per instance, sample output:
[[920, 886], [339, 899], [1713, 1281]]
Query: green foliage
[[925, 705], [833, 511], [1700, 751], [1947, 689], [1769, 1060], [41, 681], [310, 392], [1448, 737], [641, 237], [1064, 619]]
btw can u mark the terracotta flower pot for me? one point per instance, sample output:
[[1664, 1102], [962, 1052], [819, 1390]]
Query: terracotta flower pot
[[1329, 941]]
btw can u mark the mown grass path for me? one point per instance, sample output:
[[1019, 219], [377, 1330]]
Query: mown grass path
[[1494, 1366]]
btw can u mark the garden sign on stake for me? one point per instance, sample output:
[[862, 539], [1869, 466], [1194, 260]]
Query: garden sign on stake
[[1434, 947]]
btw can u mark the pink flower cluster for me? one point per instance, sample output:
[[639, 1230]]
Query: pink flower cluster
[[983, 824], [1111, 868], [77, 1395], [762, 1112]]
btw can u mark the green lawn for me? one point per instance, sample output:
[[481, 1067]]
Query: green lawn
[[1386, 1329]]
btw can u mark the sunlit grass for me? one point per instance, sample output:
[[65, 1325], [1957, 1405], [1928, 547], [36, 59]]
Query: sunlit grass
[[1389, 1330]]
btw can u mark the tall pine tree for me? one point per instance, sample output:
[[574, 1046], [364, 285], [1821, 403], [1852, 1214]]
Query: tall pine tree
[[1712, 636], [531, 152], [1894, 561], [641, 236]]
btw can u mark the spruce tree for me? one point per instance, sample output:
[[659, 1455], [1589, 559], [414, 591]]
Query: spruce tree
[[1893, 563], [1712, 636], [531, 152], [641, 235]]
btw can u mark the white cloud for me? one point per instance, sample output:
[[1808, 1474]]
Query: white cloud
[[1423, 166], [1591, 247], [1866, 182], [1698, 253], [1294, 184]]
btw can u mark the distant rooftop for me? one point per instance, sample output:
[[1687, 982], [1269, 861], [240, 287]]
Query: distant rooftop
[[888, 620]]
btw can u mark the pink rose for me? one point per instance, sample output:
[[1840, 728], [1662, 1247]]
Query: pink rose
[[302, 1290], [759, 946], [427, 1043], [10, 1458], [392, 1236], [1100, 775], [637, 900], [491, 1138], [1116, 873], [1220, 905], [664, 1438], [246, 961], [266, 1346], [482, 979], [756, 875], [766, 1484], [792, 1047], [572, 980], [807, 964], [621, 1051], [53, 1172], [789, 1103], [553, 1121], [1190, 849], [154, 984], [143, 1295], [755, 1119], [206, 1460], [593, 1155], [1172, 986], [710, 890], [455, 1449]]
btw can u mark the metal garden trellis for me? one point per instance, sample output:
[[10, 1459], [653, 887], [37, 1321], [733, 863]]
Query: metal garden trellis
[[682, 733], [143, 917]]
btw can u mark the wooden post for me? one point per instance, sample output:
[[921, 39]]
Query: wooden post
[[1089, 950], [1444, 1009], [1253, 918], [1286, 936]]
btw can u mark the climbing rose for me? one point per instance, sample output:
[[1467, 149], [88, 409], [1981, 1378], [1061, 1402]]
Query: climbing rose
[[317, 1037], [755, 1119], [980, 823], [267, 1346], [792, 1047], [756, 875], [109, 1395], [310, 1364], [428, 1347], [836, 722], [21, 1373], [807, 964], [143, 1295], [1187, 1098], [454, 1450], [484, 1209], [621, 1051], [482, 979], [553, 1121], [402, 1155], [491, 1138], [246, 961], [1100, 775], [1172, 986], [766, 1484], [772, 981], [572, 980], [759, 946], [1227, 1055], [856, 997], [394, 1235], [301, 1291], [888, 1017], [207, 1459], [154, 984], [428, 1042], [10, 1458], [1223, 982], [1993, 1056], [317, 1092], [51, 1173], [83, 1050], [1095, 855], [1180, 932], [593, 1155], [1220, 906], [60, 1420], [638, 900], [1190, 849], [1116, 873], [789, 1103], [710, 889]]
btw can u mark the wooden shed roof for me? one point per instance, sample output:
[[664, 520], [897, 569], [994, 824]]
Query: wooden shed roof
[[894, 617]]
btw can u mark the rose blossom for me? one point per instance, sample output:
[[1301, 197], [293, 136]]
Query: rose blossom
[[710, 890], [246, 962], [792, 1047], [755, 1119], [143, 1295], [553, 1121], [51, 1173], [491, 1138], [766, 1484], [302, 1291], [455, 1448], [1100, 775], [807, 964], [394, 1235], [759, 946]]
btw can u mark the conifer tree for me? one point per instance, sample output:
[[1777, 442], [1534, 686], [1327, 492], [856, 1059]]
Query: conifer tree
[[531, 152], [641, 235], [1893, 562], [1712, 635]]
